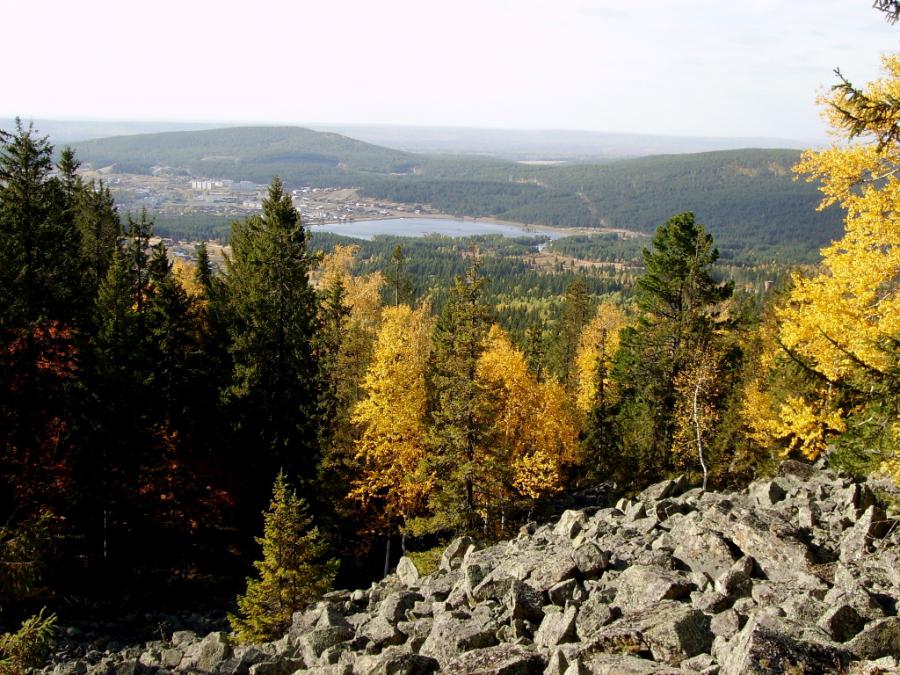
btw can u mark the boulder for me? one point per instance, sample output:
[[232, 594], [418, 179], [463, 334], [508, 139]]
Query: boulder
[[873, 524], [523, 601], [393, 661], [558, 627], [452, 556], [590, 559], [456, 632], [504, 659], [879, 638], [593, 615], [670, 631], [702, 550], [407, 572], [570, 524], [769, 645], [642, 586]]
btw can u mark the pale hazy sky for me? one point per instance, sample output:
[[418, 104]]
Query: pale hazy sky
[[699, 67]]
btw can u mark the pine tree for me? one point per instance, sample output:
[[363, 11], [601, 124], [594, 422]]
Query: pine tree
[[678, 301], [274, 310], [457, 426], [575, 314], [293, 571]]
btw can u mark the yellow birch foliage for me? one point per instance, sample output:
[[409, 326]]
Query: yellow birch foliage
[[598, 344], [695, 414], [844, 322], [185, 274], [392, 415], [534, 434]]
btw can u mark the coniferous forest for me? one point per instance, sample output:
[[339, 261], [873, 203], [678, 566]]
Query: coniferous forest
[[313, 405]]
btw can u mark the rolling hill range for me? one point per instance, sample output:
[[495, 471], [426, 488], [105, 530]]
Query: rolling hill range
[[748, 198]]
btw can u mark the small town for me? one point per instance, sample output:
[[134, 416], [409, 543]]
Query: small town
[[169, 192]]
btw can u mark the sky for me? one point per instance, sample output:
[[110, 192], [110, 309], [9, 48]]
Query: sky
[[684, 67]]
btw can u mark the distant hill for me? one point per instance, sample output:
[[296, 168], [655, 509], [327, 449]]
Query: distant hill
[[545, 144], [748, 198]]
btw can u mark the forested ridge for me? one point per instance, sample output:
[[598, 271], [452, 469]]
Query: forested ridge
[[152, 409], [755, 208]]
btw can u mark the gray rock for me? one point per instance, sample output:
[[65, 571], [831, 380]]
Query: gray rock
[[558, 627], [699, 664], [504, 659], [671, 631], [170, 658], [180, 638], [455, 633], [593, 615], [767, 493], [77, 667], [313, 643], [278, 666], [768, 645], [381, 632], [570, 524], [660, 490], [393, 661], [735, 582], [726, 624], [702, 550], [873, 524], [563, 592], [523, 601], [590, 560], [711, 602], [394, 606], [452, 556], [841, 622], [407, 572], [772, 544], [879, 638], [557, 567], [624, 664], [642, 586]]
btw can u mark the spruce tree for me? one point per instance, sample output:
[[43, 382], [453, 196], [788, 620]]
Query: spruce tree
[[575, 314], [293, 571], [275, 389], [457, 426]]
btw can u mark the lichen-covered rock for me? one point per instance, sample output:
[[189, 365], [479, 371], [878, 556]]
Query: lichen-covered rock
[[455, 633], [642, 586], [558, 627], [502, 659], [670, 631], [769, 645]]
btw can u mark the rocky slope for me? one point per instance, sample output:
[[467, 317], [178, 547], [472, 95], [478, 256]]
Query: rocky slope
[[797, 574]]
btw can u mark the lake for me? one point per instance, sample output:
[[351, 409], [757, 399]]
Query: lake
[[419, 227]]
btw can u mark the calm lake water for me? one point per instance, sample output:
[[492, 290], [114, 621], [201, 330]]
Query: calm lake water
[[419, 227]]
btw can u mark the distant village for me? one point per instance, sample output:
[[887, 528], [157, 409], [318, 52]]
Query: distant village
[[168, 192]]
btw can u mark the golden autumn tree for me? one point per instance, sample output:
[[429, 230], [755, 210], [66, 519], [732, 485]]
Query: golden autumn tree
[[597, 346], [841, 325], [532, 436], [696, 413], [391, 417]]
